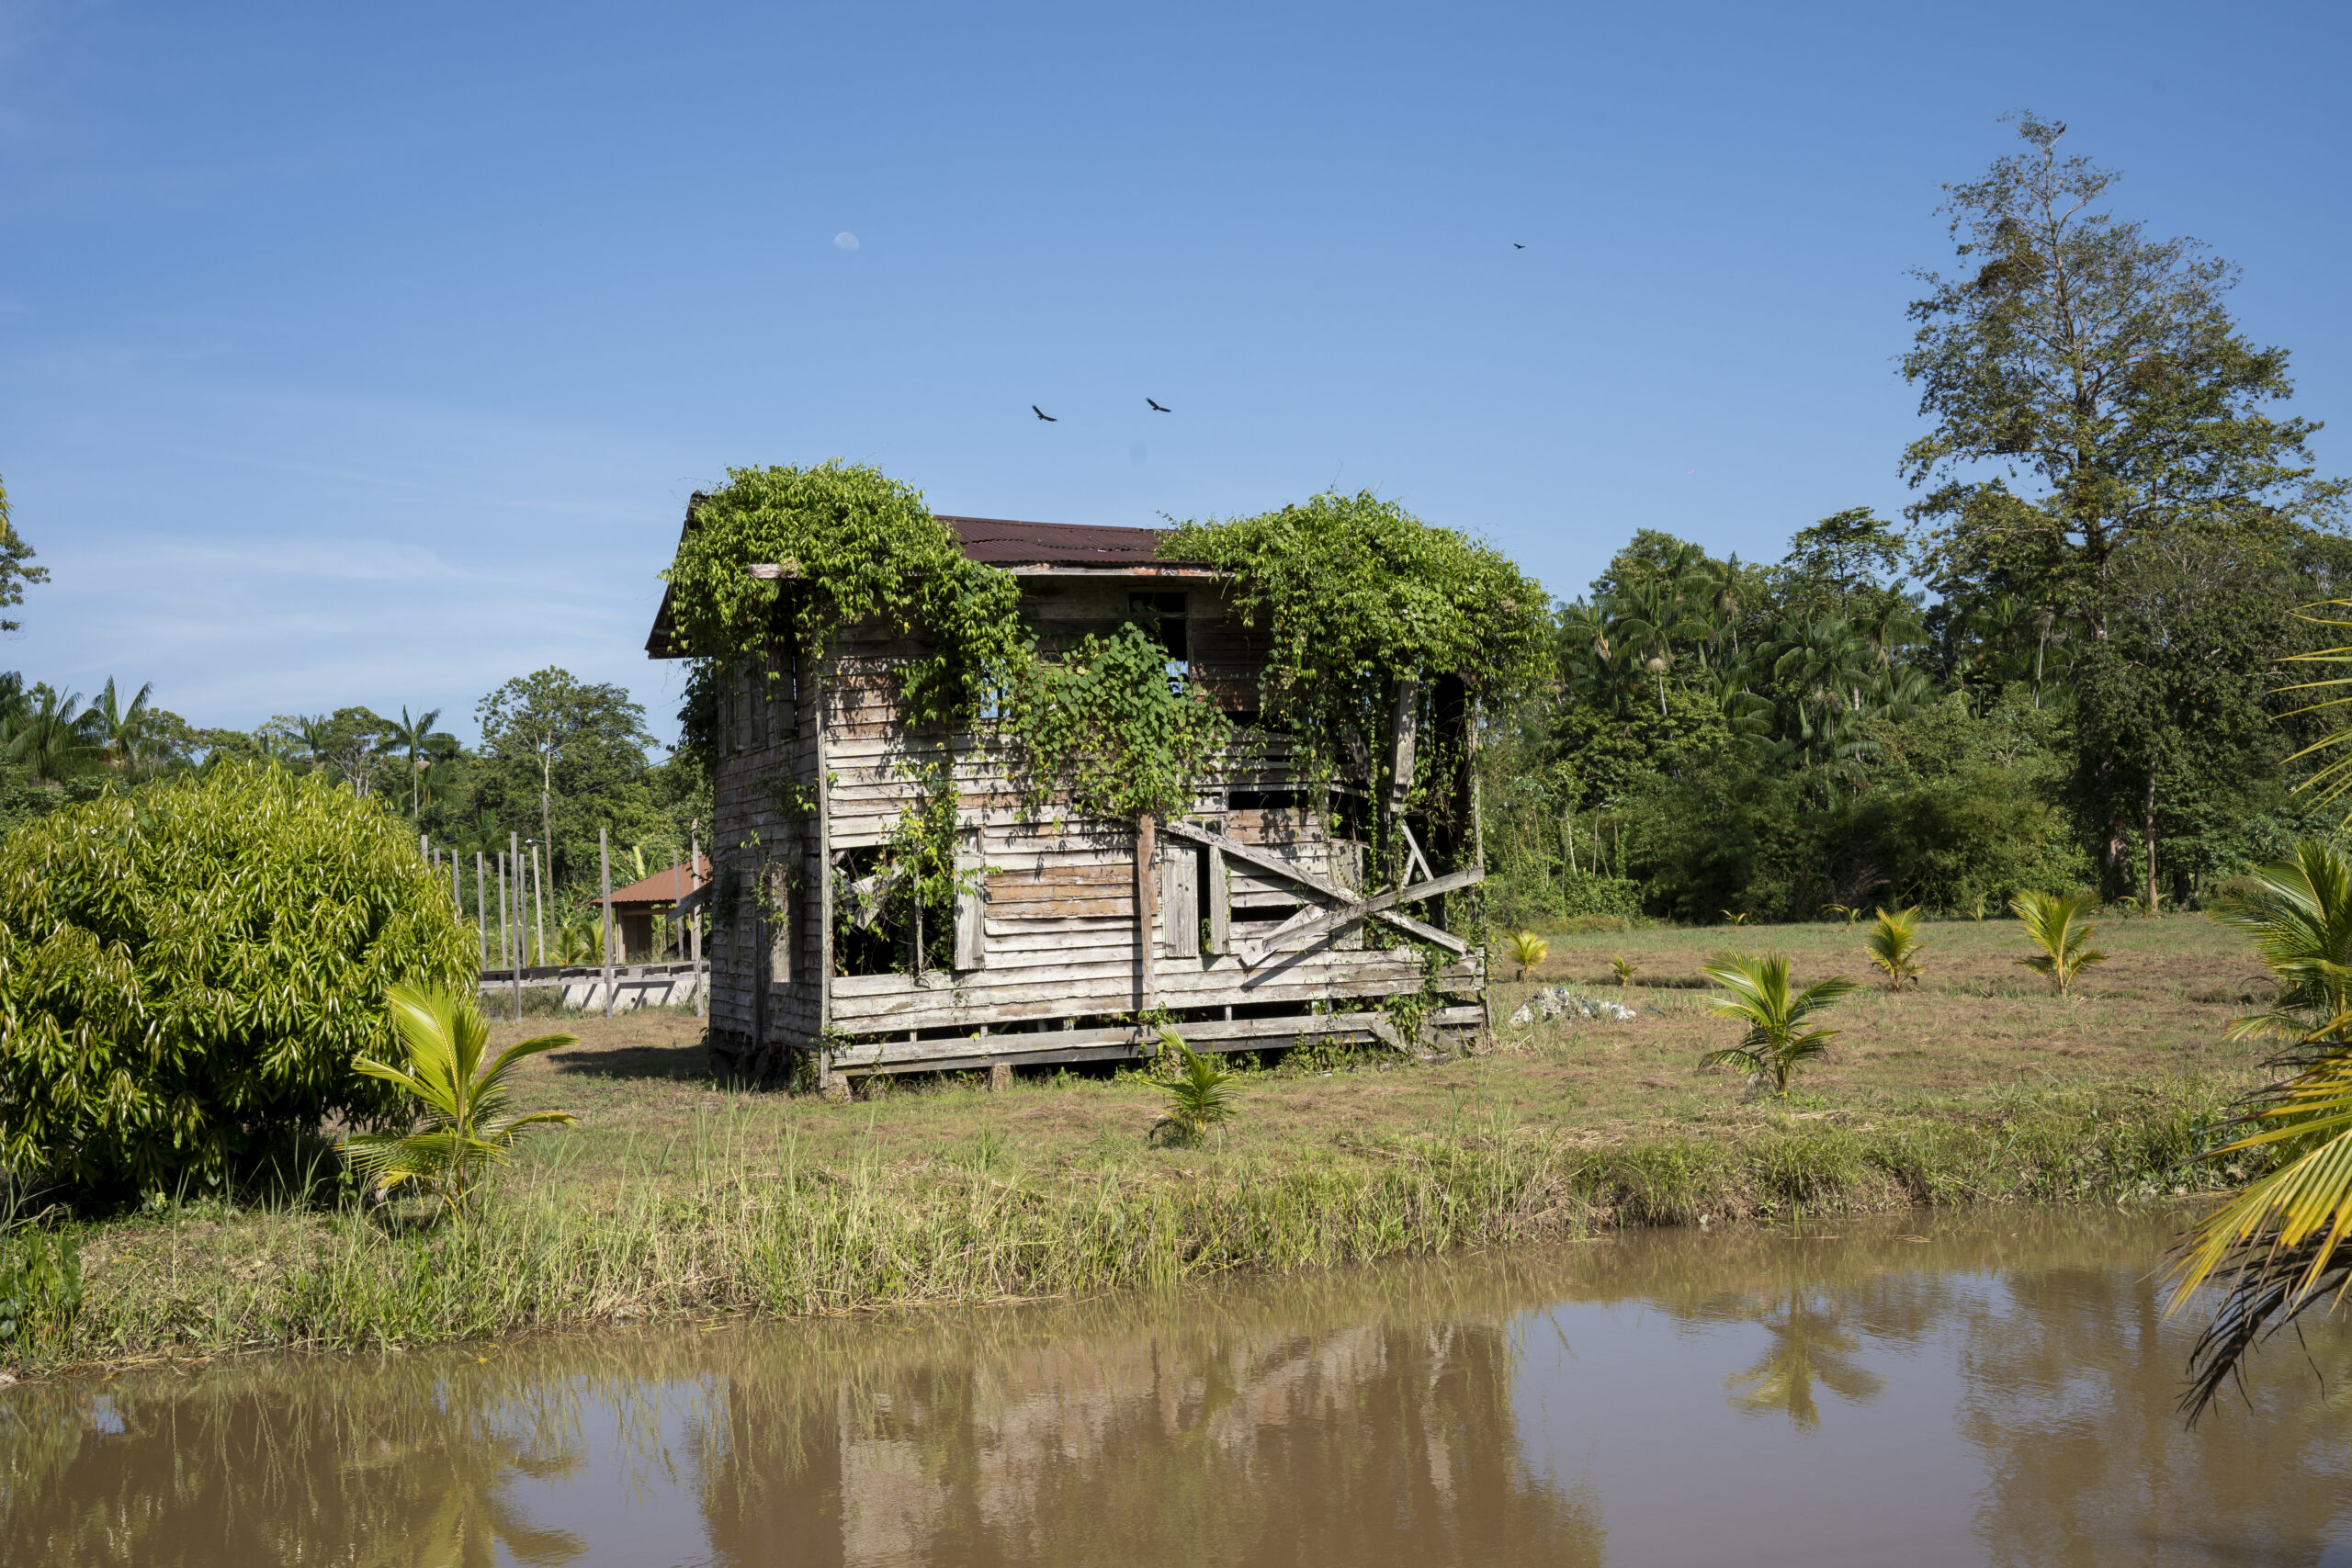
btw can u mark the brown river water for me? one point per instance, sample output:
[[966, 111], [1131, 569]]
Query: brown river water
[[1990, 1388]]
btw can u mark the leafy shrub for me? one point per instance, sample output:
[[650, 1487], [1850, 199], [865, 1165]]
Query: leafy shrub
[[187, 970], [40, 1286]]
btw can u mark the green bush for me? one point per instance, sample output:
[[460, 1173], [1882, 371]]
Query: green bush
[[187, 969]]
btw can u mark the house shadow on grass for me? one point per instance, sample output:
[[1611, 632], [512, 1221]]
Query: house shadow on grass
[[660, 1062]]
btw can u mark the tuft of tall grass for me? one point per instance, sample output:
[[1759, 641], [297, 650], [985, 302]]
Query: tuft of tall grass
[[697, 1228]]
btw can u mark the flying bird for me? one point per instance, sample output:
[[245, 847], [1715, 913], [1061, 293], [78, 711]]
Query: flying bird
[[1516, 246], [1157, 406], [1041, 414]]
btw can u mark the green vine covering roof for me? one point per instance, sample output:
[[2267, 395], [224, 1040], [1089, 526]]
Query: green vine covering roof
[[1359, 595], [866, 548]]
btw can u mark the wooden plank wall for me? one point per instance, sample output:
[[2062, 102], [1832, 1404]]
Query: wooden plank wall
[[764, 860], [1056, 933]]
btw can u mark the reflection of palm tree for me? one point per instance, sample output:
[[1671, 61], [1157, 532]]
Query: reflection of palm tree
[[466, 1478], [1809, 1345]]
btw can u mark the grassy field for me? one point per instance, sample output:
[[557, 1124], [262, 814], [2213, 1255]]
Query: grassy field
[[677, 1195]]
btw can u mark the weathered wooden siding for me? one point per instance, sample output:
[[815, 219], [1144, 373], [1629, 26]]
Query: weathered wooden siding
[[1055, 939]]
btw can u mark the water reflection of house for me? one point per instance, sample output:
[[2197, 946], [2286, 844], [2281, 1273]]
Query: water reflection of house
[[643, 909]]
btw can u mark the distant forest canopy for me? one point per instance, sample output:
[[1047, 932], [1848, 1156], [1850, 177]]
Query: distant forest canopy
[[560, 758], [2112, 538]]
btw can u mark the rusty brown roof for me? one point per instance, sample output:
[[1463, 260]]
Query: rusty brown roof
[[997, 541], [1001, 541], [663, 885]]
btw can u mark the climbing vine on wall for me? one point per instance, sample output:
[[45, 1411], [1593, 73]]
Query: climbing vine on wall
[[1106, 722], [1358, 595]]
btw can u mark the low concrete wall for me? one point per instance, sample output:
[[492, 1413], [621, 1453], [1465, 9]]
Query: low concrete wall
[[633, 985]]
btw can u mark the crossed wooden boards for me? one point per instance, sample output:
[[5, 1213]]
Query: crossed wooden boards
[[1312, 922]]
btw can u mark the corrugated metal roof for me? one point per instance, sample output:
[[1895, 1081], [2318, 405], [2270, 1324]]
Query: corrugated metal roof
[[1001, 541], [998, 541], [664, 884]]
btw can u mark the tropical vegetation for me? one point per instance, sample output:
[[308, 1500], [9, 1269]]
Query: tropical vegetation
[[462, 1103], [189, 967], [1761, 997]]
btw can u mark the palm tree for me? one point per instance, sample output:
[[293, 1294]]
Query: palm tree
[[2299, 916], [413, 734], [2060, 926], [50, 737], [1198, 1099], [2279, 1238], [1894, 946], [1776, 1041], [1528, 950], [466, 1124], [119, 732]]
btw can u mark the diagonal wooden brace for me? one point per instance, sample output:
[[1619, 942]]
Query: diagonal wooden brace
[[1354, 910], [1290, 871]]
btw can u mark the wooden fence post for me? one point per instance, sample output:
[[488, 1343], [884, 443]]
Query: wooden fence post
[[604, 855], [694, 859], [481, 905], [514, 858], [539, 900]]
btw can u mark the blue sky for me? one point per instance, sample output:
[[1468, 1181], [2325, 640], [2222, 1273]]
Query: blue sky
[[368, 355]]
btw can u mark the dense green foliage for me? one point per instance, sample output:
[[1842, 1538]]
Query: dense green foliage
[[858, 546], [2081, 687], [463, 1103], [1104, 721], [187, 969], [1359, 596]]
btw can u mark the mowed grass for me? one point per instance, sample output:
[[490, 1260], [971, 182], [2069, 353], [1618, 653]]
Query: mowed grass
[[679, 1196], [1978, 1026]]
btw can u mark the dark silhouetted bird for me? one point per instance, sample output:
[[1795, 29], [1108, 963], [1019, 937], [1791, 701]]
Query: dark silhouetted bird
[[1516, 246], [1041, 414], [1157, 406]]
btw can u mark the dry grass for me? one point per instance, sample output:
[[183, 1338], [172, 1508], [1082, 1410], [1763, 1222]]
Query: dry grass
[[680, 1195], [1977, 1026]]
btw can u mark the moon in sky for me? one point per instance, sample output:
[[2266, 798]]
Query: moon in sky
[[845, 240]]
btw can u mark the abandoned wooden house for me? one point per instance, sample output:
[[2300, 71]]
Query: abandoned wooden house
[[1241, 923]]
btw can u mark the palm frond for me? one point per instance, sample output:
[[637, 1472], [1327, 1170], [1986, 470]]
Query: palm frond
[[463, 1106]]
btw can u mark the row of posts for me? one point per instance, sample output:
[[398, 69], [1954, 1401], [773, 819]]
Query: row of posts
[[522, 892]]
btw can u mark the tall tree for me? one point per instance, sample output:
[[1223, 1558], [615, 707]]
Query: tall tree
[[2075, 356], [120, 730], [412, 734], [15, 573], [578, 748]]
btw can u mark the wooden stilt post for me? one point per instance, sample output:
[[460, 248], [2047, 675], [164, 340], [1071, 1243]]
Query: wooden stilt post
[[457, 888], [604, 855], [678, 896], [514, 858], [481, 905]]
